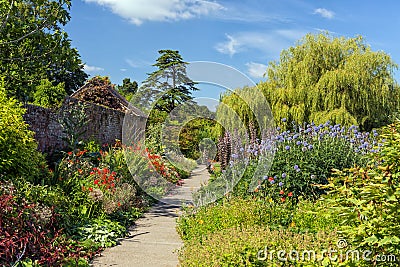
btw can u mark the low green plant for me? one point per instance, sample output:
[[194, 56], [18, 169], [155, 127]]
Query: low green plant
[[258, 245], [102, 231], [235, 229]]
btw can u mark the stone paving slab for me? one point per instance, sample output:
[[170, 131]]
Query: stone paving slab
[[153, 241]]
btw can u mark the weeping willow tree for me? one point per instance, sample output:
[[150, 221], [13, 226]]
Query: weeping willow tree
[[241, 110], [338, 79]]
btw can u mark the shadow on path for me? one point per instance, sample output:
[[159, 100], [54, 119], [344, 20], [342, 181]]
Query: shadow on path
[[153, 241]]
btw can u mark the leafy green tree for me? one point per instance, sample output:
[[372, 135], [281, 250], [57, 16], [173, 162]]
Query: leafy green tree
[[241, 109], [128, 88], [338, 79], [49, 96], [19, 157], [33, 47], [169, 85]]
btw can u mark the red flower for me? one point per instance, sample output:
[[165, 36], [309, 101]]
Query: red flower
[[270, 179], [70, 153], [90, 189], [119, 204], [281, 192], [283, 199], [96, 182], [290, 194]]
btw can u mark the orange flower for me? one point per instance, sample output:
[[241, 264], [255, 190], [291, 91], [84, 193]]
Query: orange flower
[[281, 192], [290, 194], [119, 204], [283, 199], [80, 171]]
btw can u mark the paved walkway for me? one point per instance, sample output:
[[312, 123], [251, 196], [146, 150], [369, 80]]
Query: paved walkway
[[154, 242]]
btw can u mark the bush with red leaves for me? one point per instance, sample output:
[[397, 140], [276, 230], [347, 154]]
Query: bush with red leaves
[[25, 235]]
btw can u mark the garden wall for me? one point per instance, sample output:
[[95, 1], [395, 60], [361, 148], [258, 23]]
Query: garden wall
[[105, 125]]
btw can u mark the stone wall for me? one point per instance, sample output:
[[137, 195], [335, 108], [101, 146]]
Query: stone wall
[[105, 124]]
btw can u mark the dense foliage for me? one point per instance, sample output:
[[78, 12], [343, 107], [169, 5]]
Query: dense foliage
[[18, 154], [324, 78], [168, 86], [366, 200], [49, 96], [234, 232], [128, 88], [33, 47]]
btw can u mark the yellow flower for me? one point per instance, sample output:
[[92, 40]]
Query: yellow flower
[[201, 221], [270, 200], [292, 224]]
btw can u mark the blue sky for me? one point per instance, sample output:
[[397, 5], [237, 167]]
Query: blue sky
[[120, 38]]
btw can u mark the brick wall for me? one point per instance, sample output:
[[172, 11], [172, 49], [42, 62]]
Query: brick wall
[[105, 125]]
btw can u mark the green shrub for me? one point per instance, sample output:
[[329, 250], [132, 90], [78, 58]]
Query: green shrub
[[367, 200], [49, 96], [232, 231], [235, 212], [247, 246], [18, 154]]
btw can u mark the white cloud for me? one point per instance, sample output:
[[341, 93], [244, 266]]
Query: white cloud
[[229, 47], [138, 11], [123, 70], [256, 70], [324, 13], [270, 43], [92, 68], [131, 63]]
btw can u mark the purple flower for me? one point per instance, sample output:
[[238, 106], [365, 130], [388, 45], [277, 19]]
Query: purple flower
[[284, 119], [296, 167], [272, 181], [283, 175], [287, 147], [298, 143], [280, 184]]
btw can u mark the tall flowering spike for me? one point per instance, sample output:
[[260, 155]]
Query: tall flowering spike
[[253, 134]]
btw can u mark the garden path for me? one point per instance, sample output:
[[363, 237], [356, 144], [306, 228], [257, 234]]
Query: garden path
[[153, 241]]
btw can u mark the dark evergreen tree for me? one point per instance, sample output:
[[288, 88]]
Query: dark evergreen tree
[[169, 85]]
